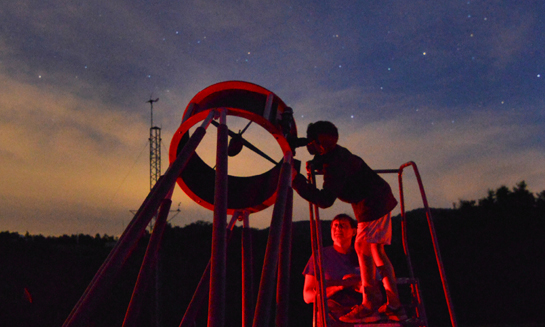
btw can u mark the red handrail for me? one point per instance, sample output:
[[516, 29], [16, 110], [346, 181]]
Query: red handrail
[[404, 234], [432, 233]]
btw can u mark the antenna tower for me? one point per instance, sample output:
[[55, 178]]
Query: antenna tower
[[154, 149]]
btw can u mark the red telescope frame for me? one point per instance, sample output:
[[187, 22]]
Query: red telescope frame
[[241, 99]]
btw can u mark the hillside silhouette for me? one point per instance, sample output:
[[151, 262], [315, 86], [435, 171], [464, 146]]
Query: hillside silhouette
[[493, 251]]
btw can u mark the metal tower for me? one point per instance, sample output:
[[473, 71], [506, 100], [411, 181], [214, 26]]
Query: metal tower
[[154, 174], [154, 149]]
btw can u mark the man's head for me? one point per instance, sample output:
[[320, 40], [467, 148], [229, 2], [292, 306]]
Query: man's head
[[345, 217], [322, 137], [343, 229]]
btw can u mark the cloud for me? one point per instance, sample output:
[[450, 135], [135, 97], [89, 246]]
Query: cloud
[[509, 42], [75, 77], [62, 152], [457, 157]]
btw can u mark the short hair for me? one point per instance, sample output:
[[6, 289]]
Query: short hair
[[344, 216], [321, 127]]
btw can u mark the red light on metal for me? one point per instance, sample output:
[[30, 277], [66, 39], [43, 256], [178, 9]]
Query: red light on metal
[[245, 100]]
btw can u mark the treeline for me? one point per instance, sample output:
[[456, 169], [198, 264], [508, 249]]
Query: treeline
[[509, 201], [492, 249]]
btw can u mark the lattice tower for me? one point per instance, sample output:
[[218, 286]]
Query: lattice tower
[[155, 149]]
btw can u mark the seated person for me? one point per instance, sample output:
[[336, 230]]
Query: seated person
[[341, 270]]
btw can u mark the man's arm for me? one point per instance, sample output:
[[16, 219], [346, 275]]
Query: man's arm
[[310, 287], [323, 198]]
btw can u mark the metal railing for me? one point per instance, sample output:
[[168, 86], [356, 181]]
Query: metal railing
[[319, 318]]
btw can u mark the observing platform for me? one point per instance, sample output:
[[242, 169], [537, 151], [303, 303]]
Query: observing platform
[[406, 323], [386, 323], [380, 324]]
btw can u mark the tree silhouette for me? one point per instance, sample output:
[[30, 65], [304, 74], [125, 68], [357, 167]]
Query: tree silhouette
[[492, 248]]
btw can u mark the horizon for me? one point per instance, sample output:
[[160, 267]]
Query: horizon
[[396, 213]]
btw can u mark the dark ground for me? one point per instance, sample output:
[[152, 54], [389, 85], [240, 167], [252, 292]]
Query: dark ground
[[493, 251]]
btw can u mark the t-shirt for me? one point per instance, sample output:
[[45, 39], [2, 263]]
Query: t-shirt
[[336, 265]]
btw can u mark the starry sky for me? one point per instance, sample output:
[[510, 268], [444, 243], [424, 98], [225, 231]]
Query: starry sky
[[456, 86]]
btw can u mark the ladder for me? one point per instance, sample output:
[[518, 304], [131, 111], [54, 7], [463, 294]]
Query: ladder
[[415, 309]]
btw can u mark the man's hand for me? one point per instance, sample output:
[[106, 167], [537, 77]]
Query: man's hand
[[352, 280]]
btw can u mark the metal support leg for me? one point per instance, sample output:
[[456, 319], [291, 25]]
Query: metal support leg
[[203, 287], [216, 304], [150, 261], [266, 286], [100, 284], [320, 303], [247, 273], [283, 287]]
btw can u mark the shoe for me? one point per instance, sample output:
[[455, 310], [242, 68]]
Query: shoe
[[359, 313], [337, 309], [393, 314]]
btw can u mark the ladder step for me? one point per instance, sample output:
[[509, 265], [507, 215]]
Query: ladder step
[[407, 323], [380, 324]]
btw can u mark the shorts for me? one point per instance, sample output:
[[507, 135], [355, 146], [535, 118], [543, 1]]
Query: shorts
[[376, 231]]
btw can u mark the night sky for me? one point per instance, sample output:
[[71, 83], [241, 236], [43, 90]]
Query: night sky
[[456, 86]]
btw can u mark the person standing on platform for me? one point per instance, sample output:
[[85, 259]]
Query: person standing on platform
[[348, 178]]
